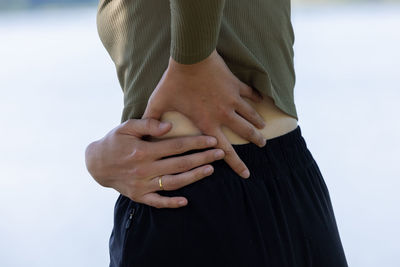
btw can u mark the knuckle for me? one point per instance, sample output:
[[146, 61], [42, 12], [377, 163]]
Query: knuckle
[[133, 195], [199, 174], [148, 123], [250, 132], [134, 185], [183, 164], [205, 122], [210, 155], [226, 113], [235, 101], [253, 113], [133, 192], [130, 122], [248, 88], [137, 172], [138, 153], [124, 125], [243, 88], [178, 144], [158, 205], [201, 141], [172, 184], [149, 201], [228, 150], [134, 171], [223, 110], [134, 198]]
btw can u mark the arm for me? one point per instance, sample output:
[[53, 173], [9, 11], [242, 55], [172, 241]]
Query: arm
[[198, 83], [195, 26]]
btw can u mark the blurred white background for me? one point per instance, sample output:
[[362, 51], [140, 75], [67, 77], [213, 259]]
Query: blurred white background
[[59, 92]]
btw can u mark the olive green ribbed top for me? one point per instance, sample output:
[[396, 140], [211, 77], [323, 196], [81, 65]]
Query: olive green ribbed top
[[255, 38]]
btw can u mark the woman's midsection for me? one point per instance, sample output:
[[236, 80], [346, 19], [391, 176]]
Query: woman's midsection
[[277, 123]]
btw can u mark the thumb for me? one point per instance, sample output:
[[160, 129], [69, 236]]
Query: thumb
[[151, 117], [146, 126], [153, 110]]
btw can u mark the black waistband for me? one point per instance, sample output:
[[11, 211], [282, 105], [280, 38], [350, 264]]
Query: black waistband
[[280, 155]]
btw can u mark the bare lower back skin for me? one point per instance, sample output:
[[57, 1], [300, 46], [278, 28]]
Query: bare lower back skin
[[277, 123]]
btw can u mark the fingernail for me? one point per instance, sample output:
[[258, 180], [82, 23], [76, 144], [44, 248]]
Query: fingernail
[[207, 170], [163, 125], [218, 154], [182, 202], [260, 143], [211, 141], [246, 174], [263, 143]]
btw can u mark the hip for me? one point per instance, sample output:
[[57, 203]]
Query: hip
[[277, 123], [281, 216]]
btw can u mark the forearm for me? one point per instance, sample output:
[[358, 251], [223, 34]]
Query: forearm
[[195, 26]]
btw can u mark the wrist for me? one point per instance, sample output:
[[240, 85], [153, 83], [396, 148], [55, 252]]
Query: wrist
[[176, 66]]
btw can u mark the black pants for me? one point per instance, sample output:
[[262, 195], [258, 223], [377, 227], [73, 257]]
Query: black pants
[[281, 216]]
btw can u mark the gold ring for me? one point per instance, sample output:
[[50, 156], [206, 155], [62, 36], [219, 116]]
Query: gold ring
[[159, 181]]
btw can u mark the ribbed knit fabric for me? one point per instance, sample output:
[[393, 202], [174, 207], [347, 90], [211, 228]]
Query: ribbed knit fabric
[[255, 38], [185, 18]]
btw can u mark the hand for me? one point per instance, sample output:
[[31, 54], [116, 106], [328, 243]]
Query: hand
[[209, 94], [130, 165]]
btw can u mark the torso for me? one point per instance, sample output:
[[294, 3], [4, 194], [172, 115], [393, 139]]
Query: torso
[[277, 123]]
